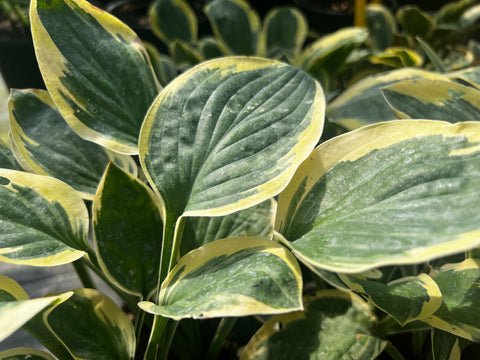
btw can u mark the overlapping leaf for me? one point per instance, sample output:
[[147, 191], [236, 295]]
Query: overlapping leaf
[[433, 99], [363, 103], [400, 192], [50, 147], [446, 346], [7, 159], [381, 25], [127, 220], [458, 313], [96, 70], [43, 221], [470, 76], [25, 354], [231, 277], [229, 133], [334, 325]]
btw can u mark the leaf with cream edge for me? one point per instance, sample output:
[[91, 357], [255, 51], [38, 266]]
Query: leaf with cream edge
[[25, 354], [316, 333], [96, 70], [433, 99], [363, 103], [458, 313], [446, 346], [16, 308], [231, 277], [43, 221], [469, 76], [127, 220], [401, 192], [50, 147], [406, 299]]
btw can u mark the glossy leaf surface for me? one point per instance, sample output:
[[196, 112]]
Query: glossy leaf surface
[[229, 133], [25, 354], [174, 20], [96, 70], [334, 325], [236, 26], [400, 192], [231, 277], [127, 220], [433, 99], [50, 147], [406, 299], [458, 313], [363, 103], [255, 221], [43, 221]]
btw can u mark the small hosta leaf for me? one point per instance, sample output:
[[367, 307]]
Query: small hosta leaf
[[127, 220], [50, 147], [174, 20], [229, 133], [397, 57], [415, 21], [43, 221], [334, 325], [406, 299], [401, 192], [458, 313], [231, 277], [363, 103], [381, 25], [25, 354], [96, 70]]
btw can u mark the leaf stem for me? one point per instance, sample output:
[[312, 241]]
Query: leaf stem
[[83, 274], [223, 330]]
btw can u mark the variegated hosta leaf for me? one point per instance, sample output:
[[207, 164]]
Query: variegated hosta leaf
[[432, 55], [87, 326], [43, 221], [401, 192], [16, 308], [50, 147], [446, 346], [127, 220], [285, 30], [185, 55], [433, 99], [162, 64], [236, 26], [7, 159], [209, 48], [334, 325], [405, 299], [381, 25], [96, 70], [363, 103], [397, 57], [469, 76], [458, 313], [330, 51], [231, 277], [25, 354], [174, 20], [229, 134], [415, 21], [255, 221]]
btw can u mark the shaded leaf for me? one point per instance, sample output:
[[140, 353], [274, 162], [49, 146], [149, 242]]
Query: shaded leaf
[[173, 20], [446, 346], [7, 159], [381, 25], [415, 21], [25, 354]]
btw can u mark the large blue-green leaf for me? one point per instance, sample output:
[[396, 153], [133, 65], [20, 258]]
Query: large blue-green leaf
[[231, 277], [43, 221], [96, 70], [400, 192], [50, 147]]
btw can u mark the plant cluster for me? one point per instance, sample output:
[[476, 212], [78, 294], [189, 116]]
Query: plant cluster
[[212, 201]]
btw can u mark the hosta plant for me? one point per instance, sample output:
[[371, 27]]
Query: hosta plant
[[211, 198]]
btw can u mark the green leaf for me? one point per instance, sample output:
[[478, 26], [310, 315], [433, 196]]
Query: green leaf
[[127, 220], [96, 70], [16, 308], [7, 159], [432, 55], [285, 30], [43, 221], [185, 55], [415, 21], [87, 326], [25, 354], [174, 20], [231, 277], [229, 134], [402, 192], [433, 99], [236, 26], [363, 103], [469, 76], [397, 57], [330, 51], [470, 17], [381, 25], [50, 147], [163, 65], [255, 221], [406, 299], [335, 325], [450, 14], [209, 48], [446, 346], [458, 313]]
